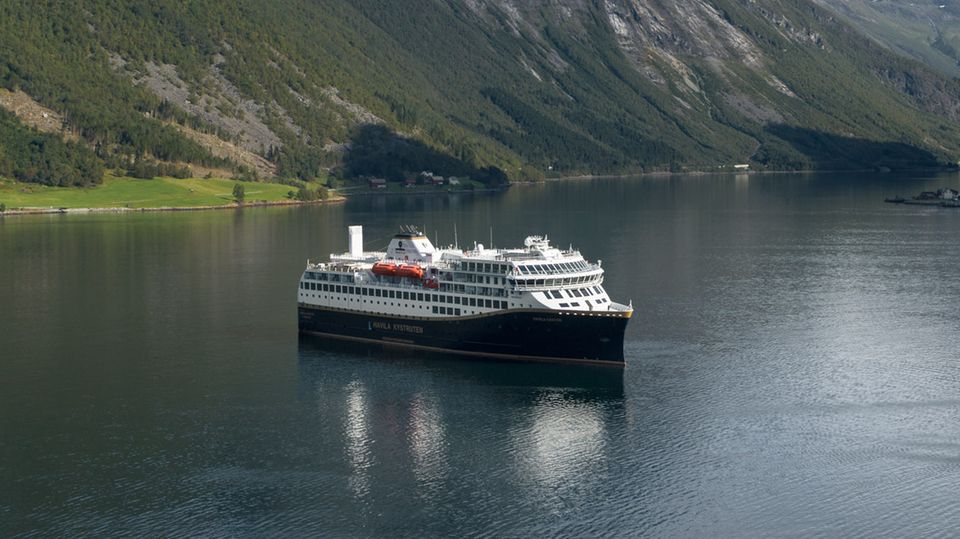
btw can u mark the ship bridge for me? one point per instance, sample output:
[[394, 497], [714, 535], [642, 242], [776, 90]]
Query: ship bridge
[[411, 246]]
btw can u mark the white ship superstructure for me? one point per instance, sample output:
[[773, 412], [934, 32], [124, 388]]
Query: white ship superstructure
[[414, 279]]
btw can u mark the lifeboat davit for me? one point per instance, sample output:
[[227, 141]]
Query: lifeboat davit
[[407, 270], [382, 268]]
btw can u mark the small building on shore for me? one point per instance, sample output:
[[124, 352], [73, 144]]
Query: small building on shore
[[377, 183]]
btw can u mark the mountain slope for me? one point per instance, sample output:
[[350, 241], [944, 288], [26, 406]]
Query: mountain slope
[[926, 30], [473, 87]]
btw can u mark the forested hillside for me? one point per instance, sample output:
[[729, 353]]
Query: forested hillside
[[299, 89]]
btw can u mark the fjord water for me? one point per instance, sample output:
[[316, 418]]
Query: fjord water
[[792, 369]]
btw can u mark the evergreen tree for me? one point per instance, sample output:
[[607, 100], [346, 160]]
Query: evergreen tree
[[239, 193]]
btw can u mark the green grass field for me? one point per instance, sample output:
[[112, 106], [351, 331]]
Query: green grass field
[[133, 193]]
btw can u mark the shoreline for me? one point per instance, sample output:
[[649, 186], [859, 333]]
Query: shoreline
[[234, 206], [340, 198], [724, 172], [426, 193], [333, 200]]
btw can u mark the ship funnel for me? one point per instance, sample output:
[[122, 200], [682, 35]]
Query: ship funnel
[[356, 240]]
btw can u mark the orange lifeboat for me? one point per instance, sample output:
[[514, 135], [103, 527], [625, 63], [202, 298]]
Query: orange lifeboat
[[407, 270], [382, 268]]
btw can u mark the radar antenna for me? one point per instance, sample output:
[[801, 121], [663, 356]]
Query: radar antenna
[[536, 242]]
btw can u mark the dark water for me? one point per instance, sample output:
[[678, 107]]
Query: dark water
[[792, 370]]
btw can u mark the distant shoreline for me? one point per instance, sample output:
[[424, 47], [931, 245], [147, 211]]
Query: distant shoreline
[[751, 172], [233, 206], [361, 192], [420, 192], [76, 211]]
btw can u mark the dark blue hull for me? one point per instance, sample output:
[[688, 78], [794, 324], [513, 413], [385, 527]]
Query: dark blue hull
[[528, 335]]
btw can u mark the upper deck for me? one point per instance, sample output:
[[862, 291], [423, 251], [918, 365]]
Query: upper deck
[[535, 276], [537, 266]]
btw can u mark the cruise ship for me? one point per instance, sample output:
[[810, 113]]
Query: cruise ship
[[535, 303]]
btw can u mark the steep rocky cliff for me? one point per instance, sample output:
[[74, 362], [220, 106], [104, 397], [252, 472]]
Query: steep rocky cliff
[[530, 87]]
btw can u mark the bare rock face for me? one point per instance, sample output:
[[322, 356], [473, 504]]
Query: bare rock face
[[357, 113], [32, 113], [245, 123], [650, 28], [219, 103], [694, 28], [661, 38]]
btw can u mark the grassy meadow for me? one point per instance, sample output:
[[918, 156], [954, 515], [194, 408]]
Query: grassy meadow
[[121, 192]]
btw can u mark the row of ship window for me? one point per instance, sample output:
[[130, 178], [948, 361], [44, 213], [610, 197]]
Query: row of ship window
[[335, 277], [484, 267], [574, 292], [475, 290], [564, 281], [482, 279], [564, 267], [479, 279], [535, 269], [398, 294], [600, 301]]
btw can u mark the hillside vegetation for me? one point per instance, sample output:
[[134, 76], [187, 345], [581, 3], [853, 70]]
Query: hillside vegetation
[[491, 89]]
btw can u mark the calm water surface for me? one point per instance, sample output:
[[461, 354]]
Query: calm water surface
[[793, 368]]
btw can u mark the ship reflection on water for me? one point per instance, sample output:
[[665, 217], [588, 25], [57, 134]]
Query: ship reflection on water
[[426, 438], [357, 439], [416, 423], [601, 380], [562, 443]]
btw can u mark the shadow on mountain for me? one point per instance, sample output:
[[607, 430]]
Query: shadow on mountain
[[376, 151], [835, 152]]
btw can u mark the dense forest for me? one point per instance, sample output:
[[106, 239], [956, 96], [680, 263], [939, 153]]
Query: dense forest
[[487, 89], [34, 157]]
